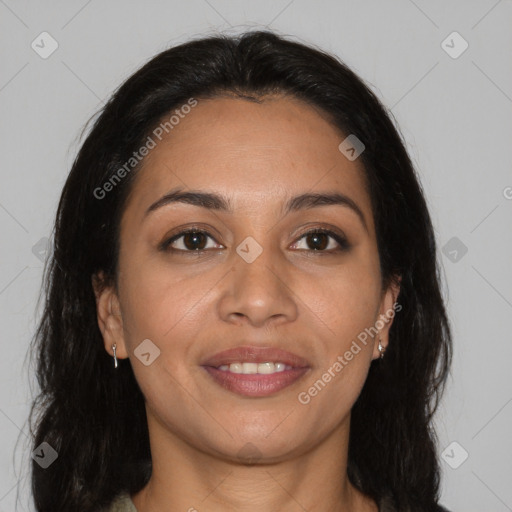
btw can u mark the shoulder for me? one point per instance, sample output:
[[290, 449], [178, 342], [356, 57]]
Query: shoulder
[[122, 503]]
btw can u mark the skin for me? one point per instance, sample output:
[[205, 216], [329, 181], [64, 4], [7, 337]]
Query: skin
[[193, 306]]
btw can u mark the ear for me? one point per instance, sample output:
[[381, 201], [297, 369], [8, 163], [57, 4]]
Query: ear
[[109, 316], [388, 309]]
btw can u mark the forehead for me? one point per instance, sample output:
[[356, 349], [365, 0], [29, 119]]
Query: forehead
[[257, 154]]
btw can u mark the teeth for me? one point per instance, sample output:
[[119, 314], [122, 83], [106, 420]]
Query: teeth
[[252, 368], [266, 367], [236, 368]]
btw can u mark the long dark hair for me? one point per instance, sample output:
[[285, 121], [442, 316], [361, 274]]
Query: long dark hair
[[94, 415]]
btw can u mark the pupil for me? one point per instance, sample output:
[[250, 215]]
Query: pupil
[[194, 237], [315, 237]]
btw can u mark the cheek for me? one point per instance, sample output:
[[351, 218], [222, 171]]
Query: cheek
[[161, 305], [342, 307], [343, 302], [160, 299], [342, 313]]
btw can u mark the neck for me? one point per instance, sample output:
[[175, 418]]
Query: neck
[[185, 478]]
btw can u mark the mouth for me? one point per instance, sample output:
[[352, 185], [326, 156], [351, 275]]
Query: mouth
[[255, 371]]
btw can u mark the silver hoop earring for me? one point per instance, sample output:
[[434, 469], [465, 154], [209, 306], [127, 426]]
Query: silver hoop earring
[[381, 348], [114, 346]]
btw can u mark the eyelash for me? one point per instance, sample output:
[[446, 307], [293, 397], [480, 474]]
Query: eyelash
[[342, 242]]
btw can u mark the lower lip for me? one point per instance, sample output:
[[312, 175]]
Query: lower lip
[[255, 385]]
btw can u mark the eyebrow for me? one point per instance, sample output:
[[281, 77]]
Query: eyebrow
[[212, 201]]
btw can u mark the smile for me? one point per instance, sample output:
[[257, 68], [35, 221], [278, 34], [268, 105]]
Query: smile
[[255, 371], [255, 368]]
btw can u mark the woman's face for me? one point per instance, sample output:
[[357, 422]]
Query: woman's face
[[259, 282]]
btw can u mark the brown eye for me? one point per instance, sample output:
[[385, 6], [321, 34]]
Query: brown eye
[[324, 240], [319, 241], [193, 240]]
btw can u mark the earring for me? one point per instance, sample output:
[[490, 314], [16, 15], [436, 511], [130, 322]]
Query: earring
[[114, 346], [381, 348]]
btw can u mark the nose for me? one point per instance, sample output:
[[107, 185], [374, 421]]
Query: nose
[[259, 292]]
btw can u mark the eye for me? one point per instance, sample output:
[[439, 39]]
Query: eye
[[317, 240], [193, 240]]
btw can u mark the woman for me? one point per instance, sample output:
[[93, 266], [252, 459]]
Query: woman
[[243, 307]]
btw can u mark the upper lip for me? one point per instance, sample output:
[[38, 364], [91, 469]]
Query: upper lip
[[252, 354]]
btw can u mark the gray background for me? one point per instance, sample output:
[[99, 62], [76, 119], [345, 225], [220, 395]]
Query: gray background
[[454, 113]]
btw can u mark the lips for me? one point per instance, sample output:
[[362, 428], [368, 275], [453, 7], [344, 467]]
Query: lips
[[255, 385]]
